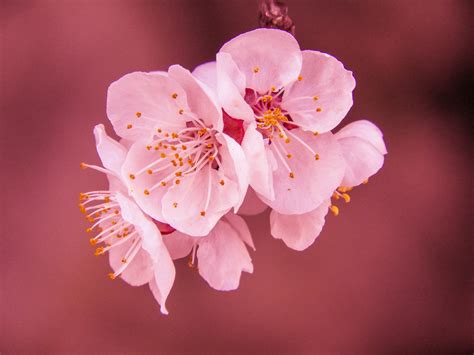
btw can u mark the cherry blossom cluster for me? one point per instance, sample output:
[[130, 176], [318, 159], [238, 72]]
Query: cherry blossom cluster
[[197, 150]]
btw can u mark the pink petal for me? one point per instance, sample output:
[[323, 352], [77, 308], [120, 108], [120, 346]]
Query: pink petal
[[233, 127], [138, 103], [240, 226], [190, 198], [252, 204], [207, 73], [299, 231], [314, 180], [222, 256], [231, 88], [323, 96], [139, 157], [111, 153], [201, 100], [152, 242], [179, 245], [234, 165], [140, 269], [261, 178], [266, 57], [366, 131]]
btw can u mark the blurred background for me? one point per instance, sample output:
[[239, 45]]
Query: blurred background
[[391, 273]]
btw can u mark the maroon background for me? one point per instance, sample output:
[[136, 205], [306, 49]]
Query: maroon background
[[391, 273]]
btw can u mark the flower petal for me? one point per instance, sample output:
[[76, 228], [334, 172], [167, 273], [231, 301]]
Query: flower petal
[[184, 205], [323, 96], [140, 269], [139, 157], [222, 256], [152, 242], [299, 231], [231, 88], [252, 204], [234, 165], [261, 178], [267, 57], [240, 226], [314, 177], [111, 153], [366, 131], [207, 73], [139, 102], [201, 100], [179, 244]]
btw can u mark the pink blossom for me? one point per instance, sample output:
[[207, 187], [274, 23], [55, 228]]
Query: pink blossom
[[363, 149], [182, 169], [136, 250], [289, 100], [221, 256]]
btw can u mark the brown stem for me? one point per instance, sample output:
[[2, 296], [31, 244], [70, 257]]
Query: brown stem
[[274, 14]]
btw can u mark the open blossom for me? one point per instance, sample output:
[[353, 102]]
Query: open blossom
[[363, 149], [221, 256], [289, 100], [136, 250], [182, 169]]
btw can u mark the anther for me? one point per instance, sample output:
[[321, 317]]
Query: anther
[[203, 213], [146, 192], [131, 176], [149, 171], [178, 173], [83, 165], [111, 276], [163, 155], [334, 210], [319, 109], [315, 98], [292, 175], [159, 130], [174, 95], [174, 135], [138, 114], [148, 147], [92, 241], [316, 156], [221, 182], [346, 198], [163, 183], [124, 261], [366, 181], [256, 70], [129, 126], [287, 140], [181, 111], [315, 133], [289, 156], [184, 147], [99, 251], [300, 78], [175, 204]]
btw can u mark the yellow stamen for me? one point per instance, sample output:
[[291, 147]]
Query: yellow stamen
[[138, 114], [334, 210]]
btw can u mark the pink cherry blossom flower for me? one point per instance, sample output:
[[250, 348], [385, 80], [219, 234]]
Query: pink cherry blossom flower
[[136, 250], [182, 169], [289, 100], [363, 149], [221, 256]]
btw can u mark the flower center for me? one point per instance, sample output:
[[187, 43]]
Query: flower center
[[276, 125]]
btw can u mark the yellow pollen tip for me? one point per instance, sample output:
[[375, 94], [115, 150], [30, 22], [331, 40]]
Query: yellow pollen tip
[[289, 156], [124, 261], [83, 166], [146, 192], [222, 182], [163, 183], [300, 78], [334, 210], [82, 208], [179, 173], [163, 155], [177, 181], [131, 176], [129, 126], [175, 204], [111, 276], [174, 95], [167, 134], [316, 156], [346, 198], [315, 98], [181, 111], [174, 135], [287, 140], [159, 130], [366, 181], [256, 70], [211, 158], [148, 147], [315, 133], [149, 171], [203, 213], [88, 230], [99, 251], [92, 241], [184, 147], [292, 175], [319, 109], [138, 114]]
